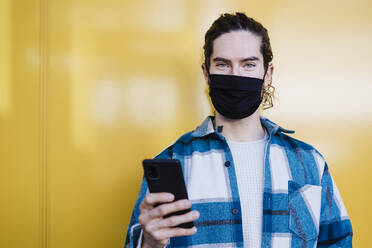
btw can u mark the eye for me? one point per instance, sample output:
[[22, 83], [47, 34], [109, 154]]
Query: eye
[[249, 65], [221, 65]]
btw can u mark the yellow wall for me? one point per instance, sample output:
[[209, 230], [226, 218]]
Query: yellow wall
[[90, 88], [20, 124]]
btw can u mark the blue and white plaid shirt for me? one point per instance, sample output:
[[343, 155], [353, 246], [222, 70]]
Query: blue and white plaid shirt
[[302, 206]]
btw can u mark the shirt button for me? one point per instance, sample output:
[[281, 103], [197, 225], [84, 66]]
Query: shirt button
[[235, 211], [227, 163]]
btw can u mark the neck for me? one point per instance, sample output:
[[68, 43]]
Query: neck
[[246, 129]]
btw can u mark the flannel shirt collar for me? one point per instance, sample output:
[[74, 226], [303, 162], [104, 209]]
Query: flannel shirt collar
[[207, 127]]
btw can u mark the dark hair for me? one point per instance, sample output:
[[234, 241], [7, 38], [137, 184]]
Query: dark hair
[[234, 22]]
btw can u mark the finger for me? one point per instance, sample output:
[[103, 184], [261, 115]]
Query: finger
[[146, 222], [167, 208], [173, 220], [153, 198], [173, 232]]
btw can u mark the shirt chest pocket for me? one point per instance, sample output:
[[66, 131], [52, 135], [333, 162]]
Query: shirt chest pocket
[[304, 203]]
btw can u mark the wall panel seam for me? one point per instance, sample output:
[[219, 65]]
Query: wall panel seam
[[43, 65]]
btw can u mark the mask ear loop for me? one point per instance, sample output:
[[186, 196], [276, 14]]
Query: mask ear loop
[[209, 75], [265, 73], [219, 128]]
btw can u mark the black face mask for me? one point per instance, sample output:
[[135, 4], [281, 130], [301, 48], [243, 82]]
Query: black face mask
[[235, 97]]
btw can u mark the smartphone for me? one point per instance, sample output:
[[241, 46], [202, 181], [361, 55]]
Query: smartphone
[[165, 175]]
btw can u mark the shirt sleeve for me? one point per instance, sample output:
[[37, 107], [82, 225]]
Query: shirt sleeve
[[134, 232], [140, 240], [335, 228]]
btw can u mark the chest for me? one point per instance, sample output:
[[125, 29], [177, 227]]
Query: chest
[[290, 195]]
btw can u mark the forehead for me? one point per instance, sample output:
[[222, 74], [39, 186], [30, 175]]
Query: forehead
[[237, 44]]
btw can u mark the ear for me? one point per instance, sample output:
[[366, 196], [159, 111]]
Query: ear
[[269, 74], [205, 72]]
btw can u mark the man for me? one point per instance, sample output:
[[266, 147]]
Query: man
[[249, 183]]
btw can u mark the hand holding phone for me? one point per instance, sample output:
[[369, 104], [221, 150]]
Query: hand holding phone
[[165, 175], [165, 212]]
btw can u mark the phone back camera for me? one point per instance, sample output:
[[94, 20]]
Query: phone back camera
[[153, 173]]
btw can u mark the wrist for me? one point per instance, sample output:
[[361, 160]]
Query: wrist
[[146, 245]]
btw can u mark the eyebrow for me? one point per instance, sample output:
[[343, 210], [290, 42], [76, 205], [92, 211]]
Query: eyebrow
[[252, 58]]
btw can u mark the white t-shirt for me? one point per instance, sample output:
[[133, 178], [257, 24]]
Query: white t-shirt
[[249, 168]]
